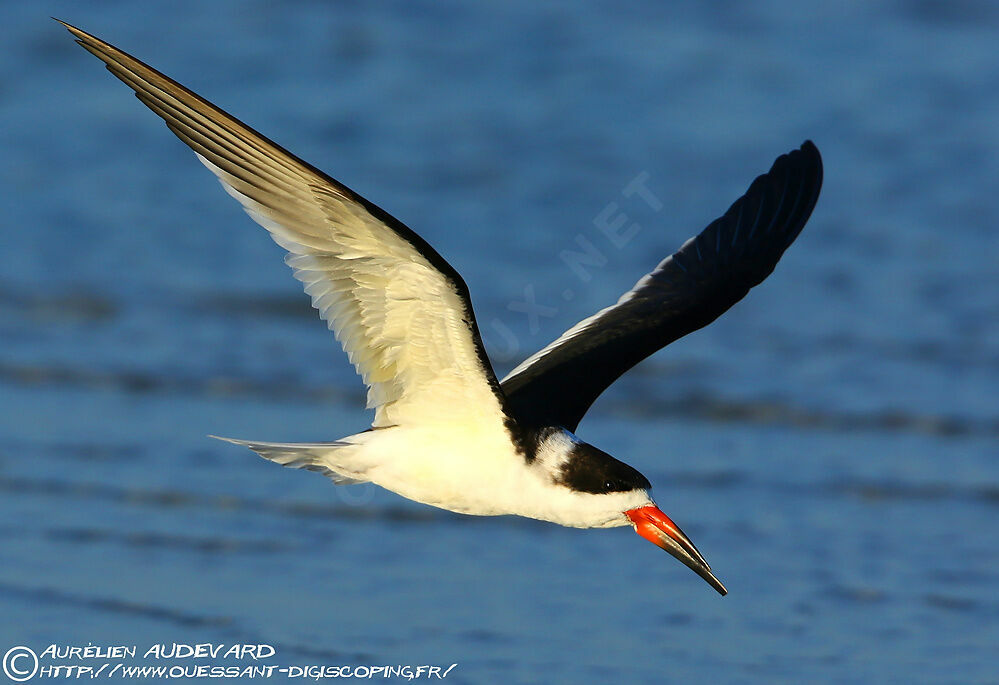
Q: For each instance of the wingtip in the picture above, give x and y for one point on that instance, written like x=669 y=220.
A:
x=69 y=27
x=810 y=149
x=234 y=441
x=805 y=160
x=82 y=37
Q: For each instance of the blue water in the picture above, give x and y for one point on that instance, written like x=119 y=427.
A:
x=831 y=444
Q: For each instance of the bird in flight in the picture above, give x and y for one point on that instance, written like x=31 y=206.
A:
x=446 y=432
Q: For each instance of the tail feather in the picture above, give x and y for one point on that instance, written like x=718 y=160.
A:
x=311 y=456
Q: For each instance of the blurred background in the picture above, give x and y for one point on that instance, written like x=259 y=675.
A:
x=830 y=444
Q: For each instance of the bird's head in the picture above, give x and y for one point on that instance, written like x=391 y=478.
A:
x=606 y=492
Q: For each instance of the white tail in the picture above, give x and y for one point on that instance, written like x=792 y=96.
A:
x=312 y=456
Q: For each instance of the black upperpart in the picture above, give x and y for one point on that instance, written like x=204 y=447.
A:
x=594 y=471
x=526 y=438
x=587 y=469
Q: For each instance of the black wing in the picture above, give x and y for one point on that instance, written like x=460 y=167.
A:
x=687 y=291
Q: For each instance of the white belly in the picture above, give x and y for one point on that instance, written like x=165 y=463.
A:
x=436 y=466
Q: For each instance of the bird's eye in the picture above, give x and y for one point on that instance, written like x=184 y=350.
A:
x=609 y=485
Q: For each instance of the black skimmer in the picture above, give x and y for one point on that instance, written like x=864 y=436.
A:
x=446 y=432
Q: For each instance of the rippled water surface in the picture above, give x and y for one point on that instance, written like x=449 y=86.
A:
x=830 y=444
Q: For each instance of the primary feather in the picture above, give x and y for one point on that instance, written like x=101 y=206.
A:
x=400 y=311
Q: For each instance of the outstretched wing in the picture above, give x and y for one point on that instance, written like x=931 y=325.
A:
x=400 y=311
x=687 y=291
